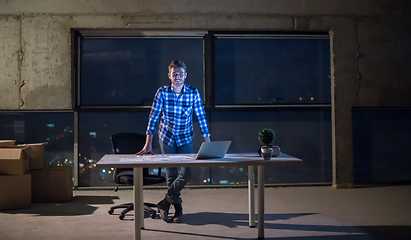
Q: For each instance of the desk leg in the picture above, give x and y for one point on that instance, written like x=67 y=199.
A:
x=251 y=197
x=261 y=202
x=138 y=202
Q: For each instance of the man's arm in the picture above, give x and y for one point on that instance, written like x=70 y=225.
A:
x=201 y=116
x=156 y=109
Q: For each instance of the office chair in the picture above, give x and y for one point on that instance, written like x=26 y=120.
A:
x=131 y=143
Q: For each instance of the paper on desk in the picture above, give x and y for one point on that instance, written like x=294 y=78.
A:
x=137 y=158
x=153 y=158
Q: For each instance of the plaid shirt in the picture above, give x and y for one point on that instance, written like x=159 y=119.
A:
x=176 y=124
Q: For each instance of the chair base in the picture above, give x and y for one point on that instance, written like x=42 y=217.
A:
x=130 y=207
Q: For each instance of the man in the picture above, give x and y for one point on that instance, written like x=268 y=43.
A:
x=175 y=104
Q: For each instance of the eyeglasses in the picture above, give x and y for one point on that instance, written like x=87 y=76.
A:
x=178 y=74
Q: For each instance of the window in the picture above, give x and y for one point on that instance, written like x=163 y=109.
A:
x=381 y=143
x=128 y=71
x=55 y=128
x=94 y=141
x=302 y=133
x=272 y=70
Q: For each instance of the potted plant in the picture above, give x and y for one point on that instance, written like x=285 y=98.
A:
x=266 y=137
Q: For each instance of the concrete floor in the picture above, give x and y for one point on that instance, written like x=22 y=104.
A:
x=382 y=212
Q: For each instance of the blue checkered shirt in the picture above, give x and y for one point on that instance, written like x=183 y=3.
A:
x=176 y=123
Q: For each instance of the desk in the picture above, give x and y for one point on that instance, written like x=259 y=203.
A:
x=187 y=160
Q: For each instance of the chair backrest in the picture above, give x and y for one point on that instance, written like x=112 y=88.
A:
x=127 y=143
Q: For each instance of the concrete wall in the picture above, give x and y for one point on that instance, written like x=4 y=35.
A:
x=369 y=38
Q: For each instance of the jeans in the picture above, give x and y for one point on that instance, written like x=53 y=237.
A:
x=176 y=178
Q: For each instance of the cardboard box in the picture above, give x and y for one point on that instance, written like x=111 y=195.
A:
x=15 y=191
x=15 y=160
x=7 y=142
x=52 y=185
x=37 y=162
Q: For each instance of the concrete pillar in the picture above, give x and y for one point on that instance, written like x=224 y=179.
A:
x=10 y=61
x=46 y=64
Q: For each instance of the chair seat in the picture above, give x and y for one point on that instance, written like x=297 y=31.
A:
x=147 y=180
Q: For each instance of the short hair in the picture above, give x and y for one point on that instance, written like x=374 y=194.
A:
x=177 y=64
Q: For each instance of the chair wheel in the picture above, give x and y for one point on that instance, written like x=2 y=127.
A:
x=121 y=216
x=111 y=211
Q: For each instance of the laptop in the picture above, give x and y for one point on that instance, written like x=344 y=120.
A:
x=216 y=149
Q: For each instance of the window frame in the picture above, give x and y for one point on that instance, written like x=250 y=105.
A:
x=208 y=71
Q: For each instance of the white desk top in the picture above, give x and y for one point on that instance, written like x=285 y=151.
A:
x=188 y=160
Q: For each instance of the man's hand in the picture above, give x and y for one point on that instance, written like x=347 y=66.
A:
x=147 y=147
x=207 y=139
x=145 y=150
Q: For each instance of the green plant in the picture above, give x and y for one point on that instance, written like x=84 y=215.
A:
x=266 y=136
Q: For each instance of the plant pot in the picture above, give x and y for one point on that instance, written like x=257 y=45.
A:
x=276 y=151
x=266 y=153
